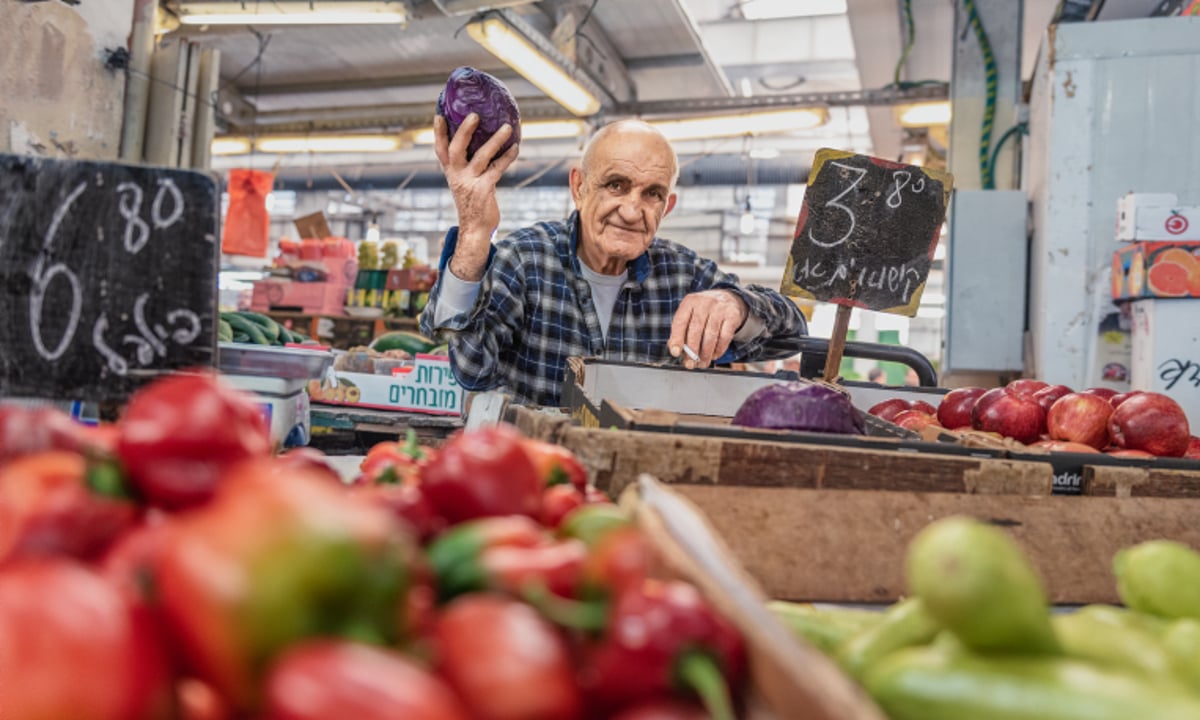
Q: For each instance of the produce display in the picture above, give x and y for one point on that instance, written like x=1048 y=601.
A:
x=473 y=91
x=245 y=326
x=168 y=566
x=1056 y=418
x=976 y=639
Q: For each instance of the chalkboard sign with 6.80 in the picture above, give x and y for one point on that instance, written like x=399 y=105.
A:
x=107 y=276
x=866 y=233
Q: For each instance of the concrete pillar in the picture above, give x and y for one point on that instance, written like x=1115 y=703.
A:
x=60 y=96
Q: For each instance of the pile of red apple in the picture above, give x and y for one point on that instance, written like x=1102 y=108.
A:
x=1054 y=417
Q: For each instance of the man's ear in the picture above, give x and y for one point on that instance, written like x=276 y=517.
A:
x=670 y=203
x=575 y=179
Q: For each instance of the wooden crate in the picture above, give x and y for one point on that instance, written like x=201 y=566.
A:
x=832 y=524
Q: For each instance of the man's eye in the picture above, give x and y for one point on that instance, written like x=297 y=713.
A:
x=615 y=185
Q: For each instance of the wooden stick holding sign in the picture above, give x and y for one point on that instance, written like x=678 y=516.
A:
x=865 y=238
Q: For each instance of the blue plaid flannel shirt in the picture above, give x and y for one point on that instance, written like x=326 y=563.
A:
x=534 y=310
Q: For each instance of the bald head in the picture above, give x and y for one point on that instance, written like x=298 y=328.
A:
x=624 y=130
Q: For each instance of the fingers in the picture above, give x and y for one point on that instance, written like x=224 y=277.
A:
x=484 y=155
x=707 y=325
x=462 y=138
x=441 y=140
x=500 y=164
x=679 y=326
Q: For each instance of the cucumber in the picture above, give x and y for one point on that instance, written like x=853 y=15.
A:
x=1160 y=577
x=932 y=683
x=1109 y=639
x=976 y=582
x=241 y=337
x=246 y=327
x=1181 y=638
x=409 y=342
x=807 y=624
x=905 y=624
x=224 y=331
x=269 y=327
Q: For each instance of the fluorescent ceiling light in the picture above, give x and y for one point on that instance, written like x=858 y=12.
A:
x=532 y=130
x=923 y=114
x=776 y=121
x=292 y=12
x=328 y=143
x=775 y=9
x=501 y=40
x=764 y=153
x=230 y=146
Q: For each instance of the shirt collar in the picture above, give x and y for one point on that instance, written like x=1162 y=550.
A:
x=639 y=269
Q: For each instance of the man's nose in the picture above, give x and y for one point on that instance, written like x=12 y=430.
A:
x=631 y=208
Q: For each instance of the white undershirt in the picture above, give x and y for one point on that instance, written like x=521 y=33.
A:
x=605 y=289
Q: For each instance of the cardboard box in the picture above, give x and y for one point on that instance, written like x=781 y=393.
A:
x=427 y=386
x=1156 y=269
x=1166 y=352
x=419 y=279
x=1156 y=216
x=320 y=298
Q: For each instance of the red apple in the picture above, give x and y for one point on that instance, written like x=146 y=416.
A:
x=1193 y=450
x=1065 y=446
x=954 y=411
x=1026 y=386
x=1080 y=418
x=888 y=409
x=1119 y=398
x=1013 y=415
x=1152 y=422
x=915 y=420
x=1103 y=392
x=1047 y=395
x=1128 y=453
x=924 y=407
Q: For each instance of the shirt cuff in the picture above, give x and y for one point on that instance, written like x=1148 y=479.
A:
x=752 y=329
x=457 y=296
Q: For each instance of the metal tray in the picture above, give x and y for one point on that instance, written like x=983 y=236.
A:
x=273 y=361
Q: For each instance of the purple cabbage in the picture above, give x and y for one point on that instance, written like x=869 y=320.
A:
x=473 y=91
x=800 y=406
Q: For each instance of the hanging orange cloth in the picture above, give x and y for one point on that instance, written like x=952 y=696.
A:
x=247 y=225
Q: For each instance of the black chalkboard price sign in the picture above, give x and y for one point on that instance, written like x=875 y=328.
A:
x=867 y=232
x=107 y=276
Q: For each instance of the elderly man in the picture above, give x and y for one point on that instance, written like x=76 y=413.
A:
x=598 y=283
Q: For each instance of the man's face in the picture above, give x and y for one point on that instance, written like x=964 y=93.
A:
x=622 y=195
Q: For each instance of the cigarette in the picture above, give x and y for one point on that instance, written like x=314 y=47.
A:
x=691 y=353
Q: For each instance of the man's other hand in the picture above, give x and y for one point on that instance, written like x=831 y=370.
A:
x=706 y=321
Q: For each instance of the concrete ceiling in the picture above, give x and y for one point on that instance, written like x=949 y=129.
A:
x=649 y=54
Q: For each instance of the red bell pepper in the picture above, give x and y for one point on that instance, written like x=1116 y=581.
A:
x=178 y=435
x=26 y=430
x=198 y=701
x=311 y=458
x=591 y=522
x=595 y=496
x=406 y=503
x=556 y=465
x=70 y=648
x=325 y=679
x=482 y=473
x=390 y=462
x=662 y=636
x=60 y=503
x=456 y=556
x=274 y=560
x=505 y=661
x=557 y=502
x=663 y=710
x=620 y=559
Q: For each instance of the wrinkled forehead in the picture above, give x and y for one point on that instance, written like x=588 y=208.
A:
x=636 y=150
